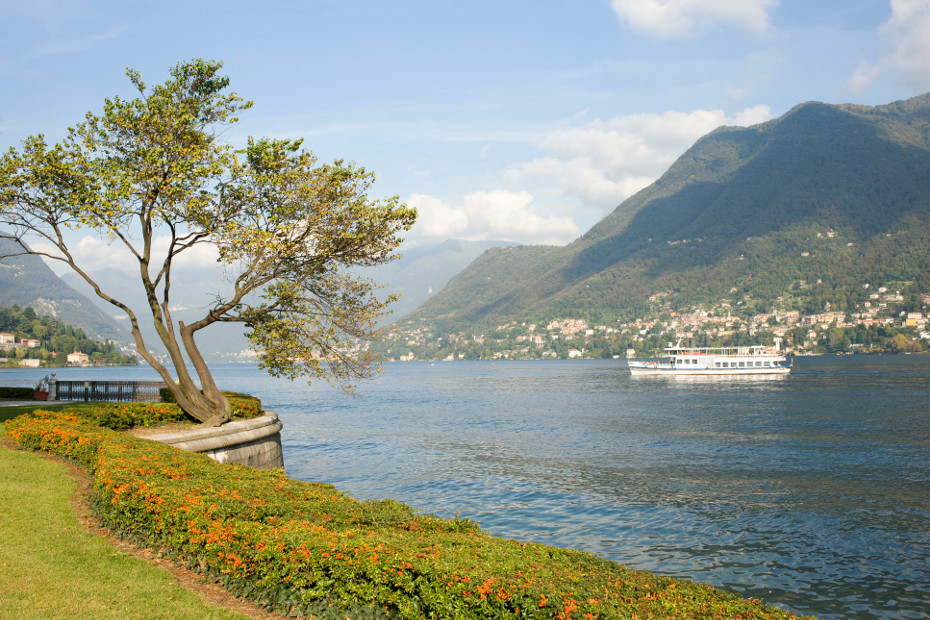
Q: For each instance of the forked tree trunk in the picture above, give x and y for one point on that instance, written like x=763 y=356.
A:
x=208 y=405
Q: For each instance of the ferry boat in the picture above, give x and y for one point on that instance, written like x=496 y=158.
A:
x=749 y=360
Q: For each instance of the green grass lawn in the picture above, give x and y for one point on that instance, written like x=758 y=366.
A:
x=11 y=411
x=295 y=546
x=53 y=567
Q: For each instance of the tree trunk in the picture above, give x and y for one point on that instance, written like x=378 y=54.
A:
x=209 y=406
x=218 y=406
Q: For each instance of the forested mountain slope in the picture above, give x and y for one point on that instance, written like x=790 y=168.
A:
x=27 y=281
x=833 y=193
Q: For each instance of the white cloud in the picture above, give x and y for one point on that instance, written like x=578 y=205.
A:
x=435 y=219
x=497 y=215
x=93 y=253
x=607 y=161
x=674 y=18
x=906 y=37
x=90 y=253
x=752 y=116
x=202 y=255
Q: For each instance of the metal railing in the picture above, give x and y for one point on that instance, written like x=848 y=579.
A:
x=125 y=391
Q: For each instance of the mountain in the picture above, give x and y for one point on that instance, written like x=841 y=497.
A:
x=192 y=291
x=424 y=270
x=837 y=195
x=415 y=276
x=26 y=281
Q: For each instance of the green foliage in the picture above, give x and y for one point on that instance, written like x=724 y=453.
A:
x=54 y=337
x=832 y=193
x=244 y=406
x=123 y=416
x=127 y=415
x=302 y=548
x=26 y=281
x=16 y=392
x=54 y=567
x=285 y=227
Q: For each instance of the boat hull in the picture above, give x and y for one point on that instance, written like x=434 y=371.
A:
x=716 y=372
x=713 y=361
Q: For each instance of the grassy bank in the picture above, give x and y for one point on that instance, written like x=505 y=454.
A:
x=8 y=412
x=306 y=548
x=51 y=566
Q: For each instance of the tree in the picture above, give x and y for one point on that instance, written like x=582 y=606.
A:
x=285 y=228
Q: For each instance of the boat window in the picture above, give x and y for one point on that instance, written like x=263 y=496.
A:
x=716 y=364
x=742 y=364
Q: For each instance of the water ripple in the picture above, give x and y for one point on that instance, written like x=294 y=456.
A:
x=811 y=491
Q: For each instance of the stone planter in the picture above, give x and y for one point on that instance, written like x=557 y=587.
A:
x=256 y=442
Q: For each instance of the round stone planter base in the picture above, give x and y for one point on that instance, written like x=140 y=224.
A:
x=256 y=442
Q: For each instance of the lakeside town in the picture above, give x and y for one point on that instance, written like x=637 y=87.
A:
x=882 y=319
x=30 y=353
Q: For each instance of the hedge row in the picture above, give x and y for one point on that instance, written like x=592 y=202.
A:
x=123 y=416
x=244 y=406
x=17 y=392
x=307 y=549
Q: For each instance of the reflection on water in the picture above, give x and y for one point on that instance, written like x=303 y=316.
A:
x=730 y=381
x=808 y=490
x=811 y=490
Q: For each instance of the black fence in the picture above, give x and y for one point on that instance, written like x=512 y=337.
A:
x=126 y=391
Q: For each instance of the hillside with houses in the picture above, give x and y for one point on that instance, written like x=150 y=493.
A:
x=811 y=231
x=32 y=341
x=882 y=320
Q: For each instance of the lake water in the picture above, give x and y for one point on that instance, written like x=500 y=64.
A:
x=810 y=491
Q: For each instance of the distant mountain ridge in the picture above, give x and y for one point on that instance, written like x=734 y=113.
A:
x=817 y=202
x=424 y=270
x=736 y=215
x=415 y=276
x=26 y=281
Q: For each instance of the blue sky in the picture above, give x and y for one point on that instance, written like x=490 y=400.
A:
x=514 y=120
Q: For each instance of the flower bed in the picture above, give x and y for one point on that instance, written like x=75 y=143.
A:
x=123 y=416
x=306 y=548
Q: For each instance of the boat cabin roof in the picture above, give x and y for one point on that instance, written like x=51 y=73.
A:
x=745 y=350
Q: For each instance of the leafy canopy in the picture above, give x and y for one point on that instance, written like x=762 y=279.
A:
x=285 y=227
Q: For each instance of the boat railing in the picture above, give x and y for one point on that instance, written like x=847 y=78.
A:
x=748 y=351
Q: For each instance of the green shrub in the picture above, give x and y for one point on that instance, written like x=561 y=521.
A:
x=244 y=406
x=17 y=392
x=306 y=548
x=123 y=416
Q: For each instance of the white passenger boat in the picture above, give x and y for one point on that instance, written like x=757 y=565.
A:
x=751 y=360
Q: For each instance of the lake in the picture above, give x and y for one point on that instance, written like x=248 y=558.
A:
x=810 y=491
